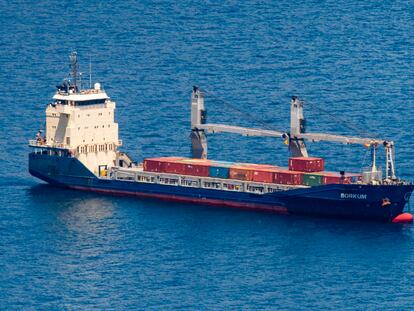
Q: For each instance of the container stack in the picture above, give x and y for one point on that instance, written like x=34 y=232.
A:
x=314 y=174
x=303 y=164
x=286 y=177
x=158 y=165
x=178 y=165
x=302 y=171
x=326 y=178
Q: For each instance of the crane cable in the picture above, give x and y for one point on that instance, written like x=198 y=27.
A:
x=347 y=124
x=247 y=115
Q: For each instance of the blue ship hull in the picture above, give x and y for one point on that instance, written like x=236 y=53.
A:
x=367 y=202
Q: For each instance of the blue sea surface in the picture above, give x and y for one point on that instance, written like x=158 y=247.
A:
x=351 y=61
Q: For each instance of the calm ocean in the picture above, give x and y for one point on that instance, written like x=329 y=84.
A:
x=351 y=61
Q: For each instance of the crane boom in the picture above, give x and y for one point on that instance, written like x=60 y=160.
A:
x=314 y=137
x=338 y=138
x=245 y=131
x=296 y=137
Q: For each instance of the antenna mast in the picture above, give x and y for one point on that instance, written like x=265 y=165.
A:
x=74 y=67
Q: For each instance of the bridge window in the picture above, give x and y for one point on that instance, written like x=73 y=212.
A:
x=90 y=102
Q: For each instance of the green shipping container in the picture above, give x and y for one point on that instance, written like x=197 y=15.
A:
x=312 y=179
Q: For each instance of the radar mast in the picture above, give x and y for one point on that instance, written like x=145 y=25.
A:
x=74 y=69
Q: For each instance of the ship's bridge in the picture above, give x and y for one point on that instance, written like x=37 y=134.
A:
x=93 y=96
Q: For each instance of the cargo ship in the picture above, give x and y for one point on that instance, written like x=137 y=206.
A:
x=80 y=149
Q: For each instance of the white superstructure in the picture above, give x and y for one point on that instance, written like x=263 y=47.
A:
x=84 y=123
x=81 y=122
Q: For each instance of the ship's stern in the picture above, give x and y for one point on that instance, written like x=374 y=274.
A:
x=58 y=168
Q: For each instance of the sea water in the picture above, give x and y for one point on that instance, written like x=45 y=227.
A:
x=350 y=61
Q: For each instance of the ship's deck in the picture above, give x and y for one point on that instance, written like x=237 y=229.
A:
x=137 y=174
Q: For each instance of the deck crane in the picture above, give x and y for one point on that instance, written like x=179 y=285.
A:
x=295 y=138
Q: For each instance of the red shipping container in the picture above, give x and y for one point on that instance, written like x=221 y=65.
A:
x=336 y=178
x=303 y=164
x=241 y=173
x=197 y=169
x=265 y=175
x=153 y=165
x=177 y=167
x=158 y=164
x=286 y=177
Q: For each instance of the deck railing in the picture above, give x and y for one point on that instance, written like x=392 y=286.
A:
x=41 y=143
x=133 y=175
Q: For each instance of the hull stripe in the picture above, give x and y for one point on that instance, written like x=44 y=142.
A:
x=215 y=202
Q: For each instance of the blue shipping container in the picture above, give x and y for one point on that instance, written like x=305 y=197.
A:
x=219 y=171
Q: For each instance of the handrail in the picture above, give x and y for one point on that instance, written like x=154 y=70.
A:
x=41 y=143
x=132 y=176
